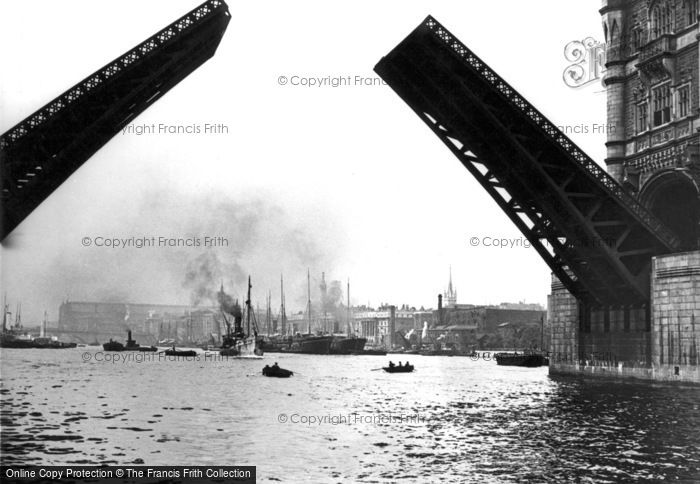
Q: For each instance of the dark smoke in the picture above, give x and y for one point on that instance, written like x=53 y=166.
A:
x=200 y=276
x=228 y=304
x=264 y=240
x=334 y=297
x=204 y=273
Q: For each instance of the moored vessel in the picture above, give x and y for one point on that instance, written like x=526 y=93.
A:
x=347 y=345
x=311 y=344
x=529 y=360
x=372 y=352
x=10 y=339
x=13 y=337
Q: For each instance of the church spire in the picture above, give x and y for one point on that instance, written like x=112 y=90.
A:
x=451 y=293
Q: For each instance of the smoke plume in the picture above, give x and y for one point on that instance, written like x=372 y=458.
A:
x=262 y=239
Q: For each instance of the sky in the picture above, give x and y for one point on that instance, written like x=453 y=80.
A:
x=344 y=180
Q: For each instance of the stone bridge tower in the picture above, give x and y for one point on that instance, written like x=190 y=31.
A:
x=652 y=85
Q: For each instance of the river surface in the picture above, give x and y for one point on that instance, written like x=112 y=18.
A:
x=336 y=420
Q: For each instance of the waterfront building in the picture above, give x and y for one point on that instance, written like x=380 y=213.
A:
x=86 y=322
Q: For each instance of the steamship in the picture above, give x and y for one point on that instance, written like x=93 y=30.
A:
x=239 y=342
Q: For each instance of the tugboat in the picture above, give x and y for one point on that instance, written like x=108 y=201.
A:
x=131 y=345
x=407 y=368
x=113 y=346
x=239 y=342
x=276 y=371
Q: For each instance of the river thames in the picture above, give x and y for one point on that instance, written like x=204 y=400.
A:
x=337 y=420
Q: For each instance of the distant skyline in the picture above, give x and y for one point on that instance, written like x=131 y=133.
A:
x=345 y=180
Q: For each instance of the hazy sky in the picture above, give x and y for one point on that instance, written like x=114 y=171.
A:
x=345 y=180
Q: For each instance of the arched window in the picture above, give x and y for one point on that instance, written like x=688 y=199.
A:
x=637 y=38
x=661 y=98
x=661 y=19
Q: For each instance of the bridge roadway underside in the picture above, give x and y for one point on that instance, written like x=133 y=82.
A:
x=598 y=240
x=42 y=151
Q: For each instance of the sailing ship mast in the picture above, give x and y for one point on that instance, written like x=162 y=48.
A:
x=269 y=312
x=283 y=312
x=308 y=292
x=247 y=305
x=4 y=312
x=349 y=324
x=18 y=316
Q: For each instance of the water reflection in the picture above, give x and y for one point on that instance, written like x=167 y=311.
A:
x=454 y=419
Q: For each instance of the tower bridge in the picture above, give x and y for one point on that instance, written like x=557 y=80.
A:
x=42 y=151
x=619 y=244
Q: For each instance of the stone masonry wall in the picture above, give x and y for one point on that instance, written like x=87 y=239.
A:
x=564 y=324
x=676 y=316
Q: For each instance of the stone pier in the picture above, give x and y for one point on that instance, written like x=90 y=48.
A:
x=659 y=342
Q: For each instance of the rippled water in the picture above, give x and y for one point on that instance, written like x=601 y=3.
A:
x=454 y=419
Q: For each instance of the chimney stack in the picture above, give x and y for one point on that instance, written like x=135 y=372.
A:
x=392 y=327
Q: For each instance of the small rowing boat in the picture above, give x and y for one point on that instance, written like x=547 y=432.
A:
x=276 y=371
x=175 y=352
x=398 y=369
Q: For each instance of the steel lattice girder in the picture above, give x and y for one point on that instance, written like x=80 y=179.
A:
x=595 y=237
x=42 y=151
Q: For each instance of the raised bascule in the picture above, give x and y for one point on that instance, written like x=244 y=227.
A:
x=624 y=282
x=42 y=151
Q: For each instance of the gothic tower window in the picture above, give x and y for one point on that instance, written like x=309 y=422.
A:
x=642 y=117
x=683 y=101
x=662 y=104
x=661 y=19
x=690 y=11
